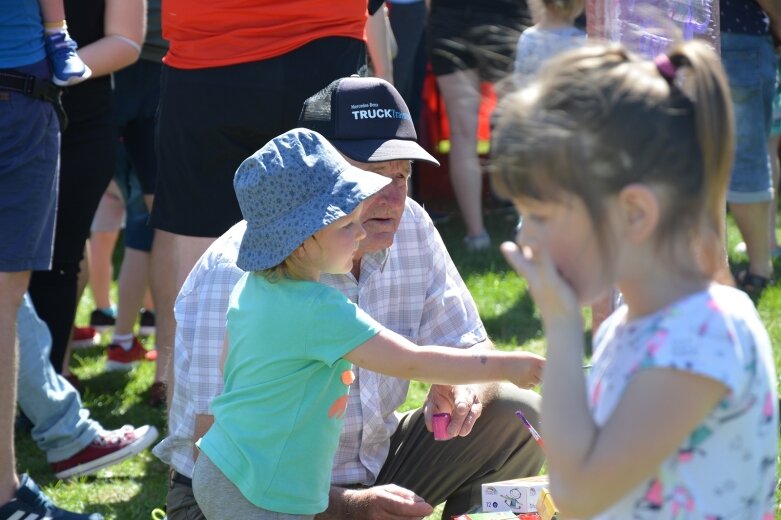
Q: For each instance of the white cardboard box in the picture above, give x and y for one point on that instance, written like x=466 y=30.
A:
x=517 y=495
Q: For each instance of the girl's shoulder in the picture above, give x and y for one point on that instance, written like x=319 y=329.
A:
x=713 y=333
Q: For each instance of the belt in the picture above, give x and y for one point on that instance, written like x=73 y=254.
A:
x=36 y=88
x=181 y=479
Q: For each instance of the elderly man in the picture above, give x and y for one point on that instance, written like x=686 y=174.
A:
x=387 y=465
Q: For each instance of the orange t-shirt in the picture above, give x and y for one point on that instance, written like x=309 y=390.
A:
x=213 y=33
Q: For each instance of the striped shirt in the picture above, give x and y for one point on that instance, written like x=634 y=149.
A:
x=412 y=288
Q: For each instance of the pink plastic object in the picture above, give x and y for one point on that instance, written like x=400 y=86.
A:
x=440 y=422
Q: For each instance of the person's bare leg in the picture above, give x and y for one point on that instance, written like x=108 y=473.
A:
x=148 y=302
x=52 y=10
x=162 y=281
x=775 y=166
x=180 y=253
x=149 y=200
x=12 y=289
x=461 y=92
x=752 y=220
x=132 y=286
x=101 y=249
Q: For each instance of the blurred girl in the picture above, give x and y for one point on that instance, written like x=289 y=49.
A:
x=553 y=33
x=620 y=168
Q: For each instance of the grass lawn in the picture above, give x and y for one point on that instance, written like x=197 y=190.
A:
x=131 y=490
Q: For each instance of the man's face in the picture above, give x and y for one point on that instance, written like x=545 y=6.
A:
x=382 y=212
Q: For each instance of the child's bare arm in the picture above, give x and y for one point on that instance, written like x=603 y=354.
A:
x=52 y=10
x=392 y=354
x=125 y=29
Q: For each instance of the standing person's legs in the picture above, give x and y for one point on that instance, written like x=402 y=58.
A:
x=164 y=290
x=461 y=93
x=106 y=224
x=61 y=427
x=87 y=165
x=751 y=67
x=775 y=250
x=29 y=152
x=133 y=279
x=12 y=288
x=137 y=97
x=498 y=448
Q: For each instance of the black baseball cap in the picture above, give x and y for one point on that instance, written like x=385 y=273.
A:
x=366 y=119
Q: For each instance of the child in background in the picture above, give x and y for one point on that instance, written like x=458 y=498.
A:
x=620 y=168
x=67 y=67
x=290 y=340
x=552 y=34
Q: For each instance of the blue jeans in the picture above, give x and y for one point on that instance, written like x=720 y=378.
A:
x=62 y=427
x=750 y=64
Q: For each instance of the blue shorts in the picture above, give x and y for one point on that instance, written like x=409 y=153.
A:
x=751 y=69
x=775 y=130
x=29 y=174
x=138 y=232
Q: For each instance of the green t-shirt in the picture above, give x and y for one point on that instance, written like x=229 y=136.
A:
x=277 y=423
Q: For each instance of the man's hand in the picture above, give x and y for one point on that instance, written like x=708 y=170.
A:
x=388 y=502
x=461 y=402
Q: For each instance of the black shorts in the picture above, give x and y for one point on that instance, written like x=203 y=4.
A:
x=469 y=38
x=136 y=97
x=210 y=120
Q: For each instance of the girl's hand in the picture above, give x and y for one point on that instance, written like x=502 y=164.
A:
x=551 y=293
x=526 y=371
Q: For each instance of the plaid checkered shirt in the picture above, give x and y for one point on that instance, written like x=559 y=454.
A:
x=412 y=288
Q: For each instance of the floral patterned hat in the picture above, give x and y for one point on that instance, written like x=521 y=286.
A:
x=292 y=187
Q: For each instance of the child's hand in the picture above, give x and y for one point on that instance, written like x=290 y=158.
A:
x=526 y=371
x=552 y=294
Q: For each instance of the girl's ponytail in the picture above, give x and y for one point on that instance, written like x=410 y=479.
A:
x=699 y=74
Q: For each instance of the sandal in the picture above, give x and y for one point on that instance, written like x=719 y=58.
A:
x=750 y=283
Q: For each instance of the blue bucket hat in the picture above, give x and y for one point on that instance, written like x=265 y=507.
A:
x=292 y=187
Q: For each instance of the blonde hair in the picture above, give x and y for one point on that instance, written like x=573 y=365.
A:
x=291 y=267
x=599 y=118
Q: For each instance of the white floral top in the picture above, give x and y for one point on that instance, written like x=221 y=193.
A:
x=726 y=468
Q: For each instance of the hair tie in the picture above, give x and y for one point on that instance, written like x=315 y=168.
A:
x=665 y=67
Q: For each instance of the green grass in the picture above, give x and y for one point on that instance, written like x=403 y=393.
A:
x=131 y=490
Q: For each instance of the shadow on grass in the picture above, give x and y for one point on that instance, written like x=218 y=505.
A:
x=517 y=324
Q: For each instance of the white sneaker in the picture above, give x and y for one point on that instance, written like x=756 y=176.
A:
x=477 y=243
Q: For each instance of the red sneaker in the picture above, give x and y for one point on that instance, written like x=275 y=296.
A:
x=121 y=359
x=84 y=337
x=108 y=448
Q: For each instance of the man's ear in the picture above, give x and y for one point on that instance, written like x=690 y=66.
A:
x=639 y=211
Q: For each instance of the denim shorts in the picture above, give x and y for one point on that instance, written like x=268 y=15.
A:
x=751 y=69
x=29 y=170
x=138 y=233
x=775 y=129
